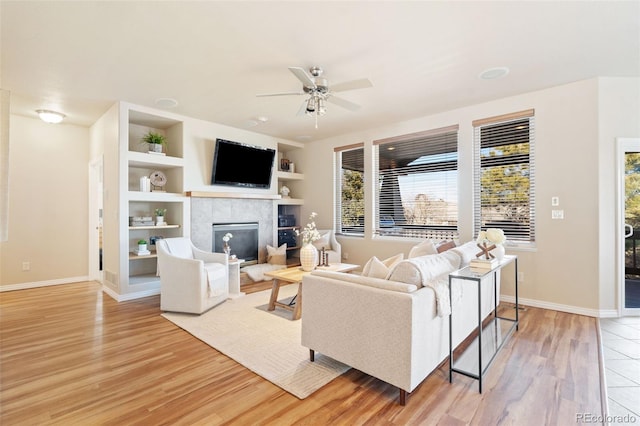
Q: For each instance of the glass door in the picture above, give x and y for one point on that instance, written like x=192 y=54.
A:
x=630 y=288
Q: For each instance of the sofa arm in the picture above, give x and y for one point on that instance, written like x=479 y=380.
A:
x=394 y=336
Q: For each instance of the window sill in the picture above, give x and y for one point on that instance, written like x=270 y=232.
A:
x=521 y=247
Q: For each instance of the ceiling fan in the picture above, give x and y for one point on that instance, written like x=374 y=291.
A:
x=318 y=91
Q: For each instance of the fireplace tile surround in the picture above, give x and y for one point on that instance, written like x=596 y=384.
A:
x=206 y=211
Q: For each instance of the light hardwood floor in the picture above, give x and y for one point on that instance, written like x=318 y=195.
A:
x=72 y=355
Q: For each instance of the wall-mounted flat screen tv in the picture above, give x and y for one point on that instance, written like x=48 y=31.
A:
x=240 y=164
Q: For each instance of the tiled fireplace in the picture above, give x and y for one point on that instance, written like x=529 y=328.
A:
x=207 y=211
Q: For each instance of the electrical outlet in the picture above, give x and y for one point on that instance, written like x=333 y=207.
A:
x=555 y=201
x=26 y=266
x=520 y=276
x=345 y=256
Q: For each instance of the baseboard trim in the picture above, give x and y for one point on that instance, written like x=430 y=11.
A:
x=46 y=283
x=596 y=313
x=129 y=296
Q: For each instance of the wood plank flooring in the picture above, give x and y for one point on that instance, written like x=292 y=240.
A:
x=70 y=354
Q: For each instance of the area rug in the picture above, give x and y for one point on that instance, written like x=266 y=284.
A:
x=267 y=343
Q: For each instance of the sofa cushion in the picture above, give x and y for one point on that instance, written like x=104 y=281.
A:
x=423 y=269
x=423 y=249
x=368 y=281
x=377 y=268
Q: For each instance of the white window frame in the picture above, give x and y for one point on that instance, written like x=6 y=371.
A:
x=516 y=235
x=340 y=228
x=440 y=142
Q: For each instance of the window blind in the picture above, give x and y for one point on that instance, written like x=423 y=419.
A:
x=349 y=187
x=504 y=175
x=417 y=186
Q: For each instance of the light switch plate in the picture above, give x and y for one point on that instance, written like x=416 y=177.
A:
x=555 y=201
x=557 y=214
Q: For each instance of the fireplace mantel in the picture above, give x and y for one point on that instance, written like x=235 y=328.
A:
x=242 y=195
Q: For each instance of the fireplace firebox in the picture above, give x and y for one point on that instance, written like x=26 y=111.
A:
x=244 y=243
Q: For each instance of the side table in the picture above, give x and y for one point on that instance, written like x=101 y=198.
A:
x=477 y=357
x=234 y=278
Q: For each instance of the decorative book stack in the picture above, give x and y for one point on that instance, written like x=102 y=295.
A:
x=141 y=221
x=483 y=265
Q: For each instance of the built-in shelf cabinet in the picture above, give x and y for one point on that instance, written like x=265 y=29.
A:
x=289 y=206
x=127 y=275
x=141 y=270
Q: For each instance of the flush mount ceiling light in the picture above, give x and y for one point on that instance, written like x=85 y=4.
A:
x=49 y=116
x=494 y=73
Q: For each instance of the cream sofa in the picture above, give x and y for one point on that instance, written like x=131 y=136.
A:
x=395 y=329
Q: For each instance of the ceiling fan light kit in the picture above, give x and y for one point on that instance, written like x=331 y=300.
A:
x=318 y=91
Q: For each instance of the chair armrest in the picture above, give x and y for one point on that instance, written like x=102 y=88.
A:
x=209 y=257
x=185 y=270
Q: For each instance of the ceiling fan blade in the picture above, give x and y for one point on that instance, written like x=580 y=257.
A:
x=362 y=83
x=279 y=94
x=343 y=103
x=302 y=75
x=303 y=108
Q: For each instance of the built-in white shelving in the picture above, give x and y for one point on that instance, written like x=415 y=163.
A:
x=289 y=206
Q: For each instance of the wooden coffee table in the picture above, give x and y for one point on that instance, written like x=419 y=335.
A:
x=292 y=276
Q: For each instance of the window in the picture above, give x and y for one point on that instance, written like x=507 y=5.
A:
x=504 y=187
x=417 y=187
x=349 y=214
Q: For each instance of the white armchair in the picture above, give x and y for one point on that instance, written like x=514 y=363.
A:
x=191 y=280
x=330 y=244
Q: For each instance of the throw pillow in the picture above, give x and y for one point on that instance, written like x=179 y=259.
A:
x=277 y=256
x=323 y=242
x=446 y=246
x=376 y=268
x=422 y=249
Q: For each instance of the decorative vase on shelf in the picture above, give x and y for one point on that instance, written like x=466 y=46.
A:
x=227 y=248
x=160 y=221
x=308 y=257
x=498 y=252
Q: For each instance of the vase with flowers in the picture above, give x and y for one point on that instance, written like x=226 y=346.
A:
x=491 y=243
x=225 y=243
x=308 y=253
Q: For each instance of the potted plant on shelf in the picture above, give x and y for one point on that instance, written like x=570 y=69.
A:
x=142 y=246
x=155 y=141
x=160 y=216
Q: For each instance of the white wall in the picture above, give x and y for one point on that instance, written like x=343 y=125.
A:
x=199 y=143
x=48 y=210
x=619 y=117
x=564 y=271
